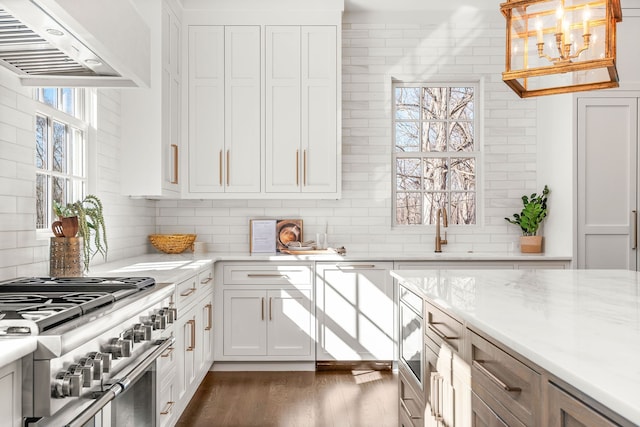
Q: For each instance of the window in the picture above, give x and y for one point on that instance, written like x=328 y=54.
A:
x=60 y=150
x=436 y=152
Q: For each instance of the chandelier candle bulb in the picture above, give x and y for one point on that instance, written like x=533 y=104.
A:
x=539 y=32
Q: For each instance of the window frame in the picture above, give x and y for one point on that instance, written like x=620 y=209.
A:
x=79 y=120
x=476 y=154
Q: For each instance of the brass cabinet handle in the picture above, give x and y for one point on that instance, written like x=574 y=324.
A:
x=220 y=163
x=168 y=352
x=262 y=308
x=168 y=408
x=189 y=292
x=635 y=229
x=479 y=364
x=304 y=166
x=228 y=167
x=406 y=409
x=363 y=266
x=174 y=149
x=205 y=281
x=209 y=308
x=270 y=309
x=439 y=333
x=272 y=275
x=297 y=168
x=192 y=347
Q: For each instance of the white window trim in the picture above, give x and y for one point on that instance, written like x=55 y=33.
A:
x=87 y=125
x=479 y=84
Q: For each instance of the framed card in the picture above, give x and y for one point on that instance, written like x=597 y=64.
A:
x=262 y=235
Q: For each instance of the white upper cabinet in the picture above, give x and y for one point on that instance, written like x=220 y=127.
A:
x=224 y=110
x=301 y=110
x=151 y=117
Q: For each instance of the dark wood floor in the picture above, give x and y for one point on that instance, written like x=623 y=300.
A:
x=300 y=399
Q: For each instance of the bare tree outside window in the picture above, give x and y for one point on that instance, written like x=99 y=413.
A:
x=60 y=150
x=435 y=153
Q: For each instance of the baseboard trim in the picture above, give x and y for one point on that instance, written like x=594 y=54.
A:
x=263 y=366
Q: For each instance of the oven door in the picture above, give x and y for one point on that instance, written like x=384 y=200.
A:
x=129 y=401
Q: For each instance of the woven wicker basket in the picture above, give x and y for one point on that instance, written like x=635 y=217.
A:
x=172 y=243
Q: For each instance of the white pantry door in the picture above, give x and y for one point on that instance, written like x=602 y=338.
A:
x=607 y=182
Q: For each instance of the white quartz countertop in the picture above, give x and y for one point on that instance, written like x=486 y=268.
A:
x=14 y=348
x=583 y=326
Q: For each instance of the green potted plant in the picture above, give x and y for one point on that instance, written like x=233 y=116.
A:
x=90 y=220
x=529 y=219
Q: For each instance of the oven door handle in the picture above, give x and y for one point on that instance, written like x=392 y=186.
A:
x=122 y=384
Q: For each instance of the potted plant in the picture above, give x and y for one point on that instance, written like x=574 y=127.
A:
x=529 y=220
x=89 y=220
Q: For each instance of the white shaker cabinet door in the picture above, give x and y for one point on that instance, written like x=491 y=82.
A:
x=206 y=109
x=283 y=109
x=224 y=109
x=319 y=109
x=301 y=109
x=245 y=323
x=242 y=157
x=607 y=182
x=290 y=328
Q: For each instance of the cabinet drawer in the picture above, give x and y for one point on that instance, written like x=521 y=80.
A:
x=442 y=328
x=482 y=415
x=186 y=293
x=267 y=274
x=411 y=408
x=509 y=387
x=567 y=411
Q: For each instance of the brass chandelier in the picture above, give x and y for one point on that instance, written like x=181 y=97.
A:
x=560 y=46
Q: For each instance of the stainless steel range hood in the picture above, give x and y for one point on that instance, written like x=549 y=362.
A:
x=70 y=43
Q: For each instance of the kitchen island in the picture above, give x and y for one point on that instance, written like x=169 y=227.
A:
x=580 y=328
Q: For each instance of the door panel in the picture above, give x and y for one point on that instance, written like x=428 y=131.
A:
x=244 y=323
x=290 y=328
x=607 y=182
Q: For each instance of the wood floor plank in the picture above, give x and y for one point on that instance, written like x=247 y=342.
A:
x=295 y=399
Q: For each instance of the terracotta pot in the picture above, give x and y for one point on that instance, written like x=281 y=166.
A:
x=69 y=226
x=531 y=244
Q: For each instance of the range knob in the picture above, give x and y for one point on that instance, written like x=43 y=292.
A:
x=101 y=363
x=141 y=332
x=159 y=319
x=66 y=384
x=119 y=347
x=172 y=314
x=84 y=370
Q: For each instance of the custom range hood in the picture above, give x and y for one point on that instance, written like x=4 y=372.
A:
x=72 y=43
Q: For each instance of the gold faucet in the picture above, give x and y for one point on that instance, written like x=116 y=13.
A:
x=441 y=212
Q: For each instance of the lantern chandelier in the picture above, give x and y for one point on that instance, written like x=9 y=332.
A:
x=560 y=46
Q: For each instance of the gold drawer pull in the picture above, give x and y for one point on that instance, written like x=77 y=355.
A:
x=362 y=266
x=209 y=308
x=271 y=275
x=188 y=292
x=168 y=352
x=168 y=408
x=479 y=364
x=174 y=151
x=439 y=333
x=205 y=281
x=220 y=163
x=297 y=168
x=193 y=335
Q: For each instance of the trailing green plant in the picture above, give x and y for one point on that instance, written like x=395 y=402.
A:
x=90 y=221
x=532 y=214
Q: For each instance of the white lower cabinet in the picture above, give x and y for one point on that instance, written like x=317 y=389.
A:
x=276 y=323
x=11 y=394
x=355 y=311
x=194 y=341
x=264 y=312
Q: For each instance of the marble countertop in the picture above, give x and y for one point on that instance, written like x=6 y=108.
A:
x=582 y=326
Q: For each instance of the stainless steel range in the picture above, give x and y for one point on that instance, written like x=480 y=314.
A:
x=97 y=338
